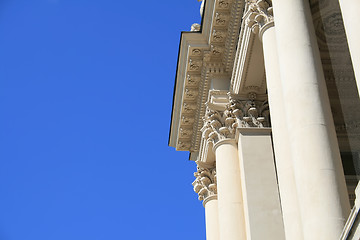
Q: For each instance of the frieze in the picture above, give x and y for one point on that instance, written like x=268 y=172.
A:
x=189 y=107
x=216 y=50
x=191 y=93
x=196 y=52
x=185 y=133
x=218 y=35
x=187 y=120
x=183 y=145
x=224 y=4
x=201 y=59
x=194 y=65
x=193 y=80
x=221 y=19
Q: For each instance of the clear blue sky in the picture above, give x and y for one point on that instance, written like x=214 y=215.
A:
x=85 y=101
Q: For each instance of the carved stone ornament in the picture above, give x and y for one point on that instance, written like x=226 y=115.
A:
x=183 y=145
x=193 y=80
x=194 y=65
x=221 y=19
x=218 y=35
x=218 y=126
x=189 y=107
x=195 y=27
x=205 y=182
x=191 y=93
x=259 y=14
x=202 y=7
x=186 y=120
x=249 y=113
x=224 y=4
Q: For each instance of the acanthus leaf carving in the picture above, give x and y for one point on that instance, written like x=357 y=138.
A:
x=218 y=126
x=205 y=182
x=250 y=113
x=259 y=14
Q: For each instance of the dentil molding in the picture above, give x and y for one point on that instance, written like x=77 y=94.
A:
x=206 y=52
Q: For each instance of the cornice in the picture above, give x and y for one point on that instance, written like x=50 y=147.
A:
x=202 y=55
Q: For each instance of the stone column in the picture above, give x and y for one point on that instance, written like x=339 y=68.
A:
x=350 y=12
x=205 y=186
x=263 y=216
x=219 y=129
x=259 y=17
x=319 y=176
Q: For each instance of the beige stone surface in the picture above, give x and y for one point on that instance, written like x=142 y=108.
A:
x=231 y=208
x=259 y=185
x=284 y=167
x=319 y=176
x=265 y=100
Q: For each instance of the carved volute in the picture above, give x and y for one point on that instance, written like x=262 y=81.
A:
x=205 y=182
x=259 y=15
x=249 y=113
x=238 y=113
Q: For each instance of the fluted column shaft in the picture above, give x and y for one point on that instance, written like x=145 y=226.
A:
x=319 y=176
x=350 y=12
x=231 y=212
x=284 y=167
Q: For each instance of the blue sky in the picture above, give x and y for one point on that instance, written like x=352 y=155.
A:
x=85 y=100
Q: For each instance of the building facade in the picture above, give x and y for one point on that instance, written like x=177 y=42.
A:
x=266 y=102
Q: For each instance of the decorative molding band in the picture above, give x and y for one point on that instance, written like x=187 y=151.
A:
x=208 y=199
x=220 y=31
x=205 y=182
x=224 y=141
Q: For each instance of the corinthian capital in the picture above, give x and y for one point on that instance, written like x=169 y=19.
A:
x=205 y=182
x=244 y=112
x=259 y=15
x=249 y=113
x=218 y=125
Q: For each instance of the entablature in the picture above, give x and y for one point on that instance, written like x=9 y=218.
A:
x=203 y=56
